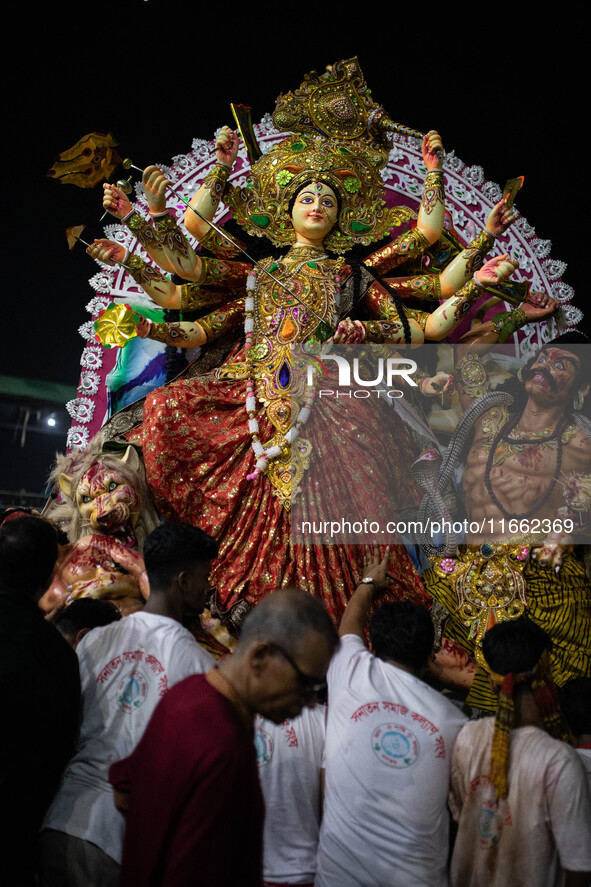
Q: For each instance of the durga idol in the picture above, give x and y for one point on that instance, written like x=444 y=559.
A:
x=228 y=449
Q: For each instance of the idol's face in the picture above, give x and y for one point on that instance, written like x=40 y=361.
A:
x=314 y=212
x=553 y=375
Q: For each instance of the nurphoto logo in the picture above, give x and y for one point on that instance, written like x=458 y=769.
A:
x=384 y=373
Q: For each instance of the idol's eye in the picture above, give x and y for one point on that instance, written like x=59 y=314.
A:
x=306 y=199
x=86 y=499
x=112 y=486
x=541 y=359
x=326 y=201
x=559 y=365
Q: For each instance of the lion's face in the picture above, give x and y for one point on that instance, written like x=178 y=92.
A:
x=106 y=501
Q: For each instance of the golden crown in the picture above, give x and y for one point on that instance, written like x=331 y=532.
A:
x=262 y=206
x=341 y=139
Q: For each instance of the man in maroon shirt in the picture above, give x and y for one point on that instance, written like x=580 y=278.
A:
x=191 y=791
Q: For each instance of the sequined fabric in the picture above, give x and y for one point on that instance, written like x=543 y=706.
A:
x=197 y=446
x=197 y=454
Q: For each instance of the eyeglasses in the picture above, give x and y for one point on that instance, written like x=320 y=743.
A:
x=308 y=684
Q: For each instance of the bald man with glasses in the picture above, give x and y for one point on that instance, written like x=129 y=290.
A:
x=190 y=790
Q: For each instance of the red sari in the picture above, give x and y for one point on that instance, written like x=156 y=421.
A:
x=197 y=450
x=197 y=453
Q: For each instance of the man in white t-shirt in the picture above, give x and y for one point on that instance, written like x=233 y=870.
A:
x=520 y=796
x=125 y=670
x=388 y=749
x=289 y=757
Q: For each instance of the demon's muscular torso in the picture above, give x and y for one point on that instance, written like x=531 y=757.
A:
x=526 y=487
x=521 y=475
x=520 y=465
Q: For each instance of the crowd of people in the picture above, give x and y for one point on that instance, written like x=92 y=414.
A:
x=306 y=756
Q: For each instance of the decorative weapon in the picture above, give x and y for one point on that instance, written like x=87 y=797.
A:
x=512 y=186
x=86 y=163
x=127 y=164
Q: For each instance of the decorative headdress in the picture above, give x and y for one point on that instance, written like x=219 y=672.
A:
x=338 y=105
x=341 y=139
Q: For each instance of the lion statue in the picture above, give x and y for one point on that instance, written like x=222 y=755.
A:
x=105 y=507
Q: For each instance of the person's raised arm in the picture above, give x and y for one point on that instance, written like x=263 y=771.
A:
x=118 y=205
x=179 y=255
x=374 y=578
x=411 y=244
x=207 y=198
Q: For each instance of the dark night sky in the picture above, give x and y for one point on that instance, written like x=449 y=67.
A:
x=158 y=73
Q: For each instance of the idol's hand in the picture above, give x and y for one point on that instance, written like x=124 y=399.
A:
x=500 y=218
x=226 y=146
x=155 y=184
x=143 y=328
x=349 y=332
x=106 y=251
x=577 y=492
x=432 y=149
x=115 y=201
x=541 y=300
x=496 y=270
x=537 y=306
x=550 y=554
x=440 y=384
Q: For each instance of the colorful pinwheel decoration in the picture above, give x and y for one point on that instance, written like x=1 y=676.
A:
x=116 y=325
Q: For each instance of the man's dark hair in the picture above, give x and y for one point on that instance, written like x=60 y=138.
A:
x=86 y=613
x=173 y=547
x=575 y=702
x=12 y=512
x=28 y=552
x=514 y=646
x=285 y=616
x=402 y=631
